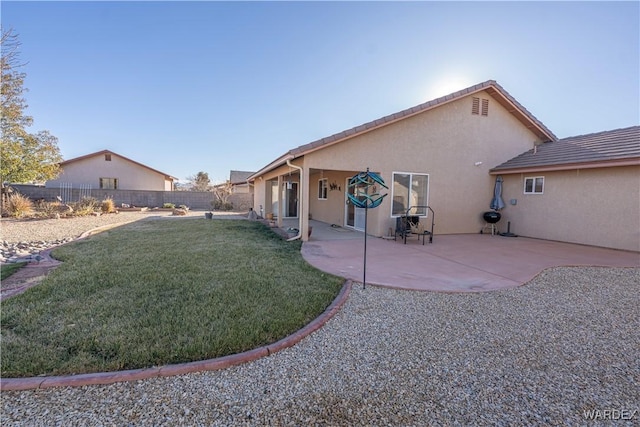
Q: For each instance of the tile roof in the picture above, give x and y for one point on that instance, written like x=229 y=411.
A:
x=490 y=86
x=609 y=148
x=239 y=177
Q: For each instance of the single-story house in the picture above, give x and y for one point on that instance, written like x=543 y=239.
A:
x=110 y=171
x=583 y=189
x=445 y=154
x=239 y=182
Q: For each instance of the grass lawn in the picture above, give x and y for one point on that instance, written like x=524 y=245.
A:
x=7 y=270
x=158 y=292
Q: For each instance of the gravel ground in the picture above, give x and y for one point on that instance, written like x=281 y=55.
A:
x=57 y=229
x=540 y=354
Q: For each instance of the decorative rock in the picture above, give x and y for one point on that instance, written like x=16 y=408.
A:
x=17 y=252
x=395 y=357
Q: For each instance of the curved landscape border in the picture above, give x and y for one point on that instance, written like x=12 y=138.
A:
x=102 y=378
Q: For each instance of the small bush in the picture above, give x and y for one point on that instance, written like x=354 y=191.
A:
x=184 y=207
x=169 y=206
x=86 y=206
x=108 y=206
x=19 y=206
x=47 y=209
x=89 y=203
x=221 y=206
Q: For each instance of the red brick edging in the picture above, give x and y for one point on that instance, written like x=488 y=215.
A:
x=182 y=368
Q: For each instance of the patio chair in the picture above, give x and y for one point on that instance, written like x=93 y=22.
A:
x=407 y=225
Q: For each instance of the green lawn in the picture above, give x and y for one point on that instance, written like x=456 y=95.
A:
x=7 y=270
x=158 y=292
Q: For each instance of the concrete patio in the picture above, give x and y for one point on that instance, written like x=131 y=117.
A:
x=453 y=263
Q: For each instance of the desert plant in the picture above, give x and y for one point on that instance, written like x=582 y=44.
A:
x=86 y=206
x=222 y=194
x=169 y=206
x=47 y=209
x=221 y=206
x=108 y=206
x=88 y=202
x=19 y=206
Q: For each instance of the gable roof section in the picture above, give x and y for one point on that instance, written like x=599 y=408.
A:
x=620 y=147
x=239 y=177
x=490 y=86
x=100 y=153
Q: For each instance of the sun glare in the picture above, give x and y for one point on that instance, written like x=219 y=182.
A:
x=446 y=85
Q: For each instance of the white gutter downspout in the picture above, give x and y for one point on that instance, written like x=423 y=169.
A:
x=300 y=200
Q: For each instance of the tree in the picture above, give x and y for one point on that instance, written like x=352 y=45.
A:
x=223 y=193
x=24 y=156
x=200 y=182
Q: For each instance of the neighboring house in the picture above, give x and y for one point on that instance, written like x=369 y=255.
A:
x=239 y=182
x=441 y=154
x=584 y=189
x=110 y=171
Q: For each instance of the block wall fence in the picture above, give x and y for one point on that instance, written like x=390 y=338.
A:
x=139 y=198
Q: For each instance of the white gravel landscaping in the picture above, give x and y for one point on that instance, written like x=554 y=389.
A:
x=553 y=352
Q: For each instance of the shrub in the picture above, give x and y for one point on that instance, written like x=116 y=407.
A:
x=169 y=206
x=221 y=206
x=88 y=203
x=47 y=209
x=19 y=206
x=86 y=206
x=184 y=207
x=108 y=206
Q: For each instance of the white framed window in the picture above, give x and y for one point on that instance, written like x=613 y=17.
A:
x=322 y=188
x=108 y=183
x=534 y=185
x=409 y=189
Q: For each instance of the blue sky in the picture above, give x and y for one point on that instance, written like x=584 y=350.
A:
x=185 y=87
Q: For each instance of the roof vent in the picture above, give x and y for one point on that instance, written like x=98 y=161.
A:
x=475 y=106
x=485 y=107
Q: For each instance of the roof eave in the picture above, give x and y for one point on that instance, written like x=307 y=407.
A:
x=271 y=166
x=491 y=87
x=568 y=166
x=97 y=153
x=520 y=112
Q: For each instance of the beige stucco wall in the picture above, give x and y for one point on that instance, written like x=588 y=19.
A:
x=331 y=210
x=598 y=207
x=130 y=175
x=241 y=189
x=444 y=143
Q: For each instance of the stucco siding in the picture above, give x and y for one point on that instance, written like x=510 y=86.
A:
x=599 y=207
x=331 y=210
x=444 y=143
x=130 y=176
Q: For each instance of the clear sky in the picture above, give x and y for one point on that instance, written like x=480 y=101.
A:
x=185 y=87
